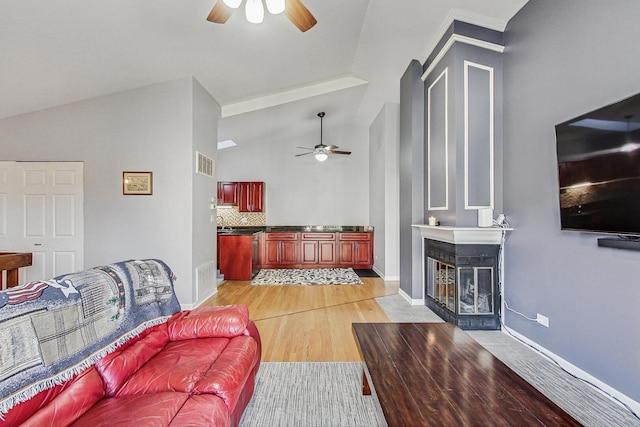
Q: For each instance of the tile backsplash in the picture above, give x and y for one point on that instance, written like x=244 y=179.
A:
x=231 y=217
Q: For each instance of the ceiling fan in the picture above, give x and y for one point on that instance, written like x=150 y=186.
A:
x=321 y=151
x=297 y=13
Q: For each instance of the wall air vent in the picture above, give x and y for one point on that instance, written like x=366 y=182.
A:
x=205 y=165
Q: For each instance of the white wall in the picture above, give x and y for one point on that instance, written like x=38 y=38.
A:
x=301 y=190
x=384 y=137
x=145 y=129
x=205 y=140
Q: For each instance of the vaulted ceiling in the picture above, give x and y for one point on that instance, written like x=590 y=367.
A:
x=270 y=78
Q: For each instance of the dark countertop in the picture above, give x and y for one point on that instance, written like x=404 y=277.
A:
x=243 y=231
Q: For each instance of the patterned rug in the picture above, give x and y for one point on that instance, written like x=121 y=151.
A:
x=306 y=276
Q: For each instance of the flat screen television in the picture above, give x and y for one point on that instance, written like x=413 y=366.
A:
x=599 y=169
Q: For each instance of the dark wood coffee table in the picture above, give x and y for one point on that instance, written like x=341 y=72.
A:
x=435 y=374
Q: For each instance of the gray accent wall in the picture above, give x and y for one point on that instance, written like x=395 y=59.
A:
x=463 y=119
x=565 y=58
x=411 y=172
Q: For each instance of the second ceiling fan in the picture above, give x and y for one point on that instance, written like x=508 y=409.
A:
x=321 y=151
x=297 y=13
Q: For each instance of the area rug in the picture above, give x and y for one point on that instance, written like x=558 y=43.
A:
x=306 y=276
x=319 y=394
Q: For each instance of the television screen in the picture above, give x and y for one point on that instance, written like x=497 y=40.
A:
x=599 y=169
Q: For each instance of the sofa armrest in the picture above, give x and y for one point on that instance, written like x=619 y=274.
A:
x=226 y=321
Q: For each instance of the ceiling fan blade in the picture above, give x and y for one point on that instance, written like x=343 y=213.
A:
x=303 y=154
x=220 y=13
x=306 y=148
x=299 y=15
x=340 y=152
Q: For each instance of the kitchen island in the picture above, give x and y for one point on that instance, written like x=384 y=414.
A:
x=244 y=250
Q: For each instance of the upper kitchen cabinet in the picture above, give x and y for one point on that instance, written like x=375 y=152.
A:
x=227 y=193
x=250 y=196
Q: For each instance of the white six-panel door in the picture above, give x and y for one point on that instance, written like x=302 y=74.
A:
x=41 y=211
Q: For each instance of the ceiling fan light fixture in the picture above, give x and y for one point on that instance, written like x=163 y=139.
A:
x=321 y=157
x=275 y=7
x=254 y=11
x=233 y=4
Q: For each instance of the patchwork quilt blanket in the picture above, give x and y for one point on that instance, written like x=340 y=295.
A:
x=54 y=329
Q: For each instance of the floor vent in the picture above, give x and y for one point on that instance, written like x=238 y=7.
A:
x=204 y=165
x=206 y=278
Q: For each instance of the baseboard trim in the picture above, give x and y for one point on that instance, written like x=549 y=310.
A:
x=385 y=278
x=199 y=303
x=605 y=389
x=410 y=300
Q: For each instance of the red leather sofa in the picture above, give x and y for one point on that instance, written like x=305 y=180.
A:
x=196 y=369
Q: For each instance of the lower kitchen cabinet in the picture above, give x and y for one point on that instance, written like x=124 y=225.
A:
x=318 y=250
x=280 y=250
x=239 y=256
x=356 y=250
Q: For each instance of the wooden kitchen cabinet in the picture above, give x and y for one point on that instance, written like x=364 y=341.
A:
x=355 y=250
x=238 y=256
x=227 y=193
x=318 y=250
x=235 y=257
x=250 y=196
x=280 y=250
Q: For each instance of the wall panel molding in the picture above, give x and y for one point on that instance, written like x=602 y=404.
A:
x=438 y=143
x=479 y=136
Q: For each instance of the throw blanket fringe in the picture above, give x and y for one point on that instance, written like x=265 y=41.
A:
x=64 y=376
x=68 y=323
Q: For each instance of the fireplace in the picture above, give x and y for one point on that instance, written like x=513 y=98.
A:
x=461 y=283
x=461 y=273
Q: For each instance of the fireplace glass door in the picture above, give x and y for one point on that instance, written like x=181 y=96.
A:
x=441 y=286
x=475 y=287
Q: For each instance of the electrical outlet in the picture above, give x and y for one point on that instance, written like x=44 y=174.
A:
x=543 y=320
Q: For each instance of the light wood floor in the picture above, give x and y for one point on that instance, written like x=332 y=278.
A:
x=308 y=323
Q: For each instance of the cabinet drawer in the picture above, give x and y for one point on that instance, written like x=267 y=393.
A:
x=318 y=236
x=281 y=236
x=355 y=236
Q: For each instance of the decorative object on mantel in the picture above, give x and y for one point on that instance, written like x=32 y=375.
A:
x=485 y=217
x=137 y=183
x=306 y=276
x=432 y=220
x=297 y=13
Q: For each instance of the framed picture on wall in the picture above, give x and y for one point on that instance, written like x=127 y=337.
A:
x=137 y=183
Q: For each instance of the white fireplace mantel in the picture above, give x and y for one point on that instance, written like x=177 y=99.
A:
x=462 y=235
